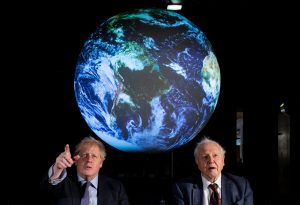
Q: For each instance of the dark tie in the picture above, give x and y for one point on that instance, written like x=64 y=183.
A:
x=86 y=196
x=214 y=197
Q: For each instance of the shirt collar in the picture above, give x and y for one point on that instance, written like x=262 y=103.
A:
x=206 y=183
x=94 y=181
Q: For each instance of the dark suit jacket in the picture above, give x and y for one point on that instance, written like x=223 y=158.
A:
x=235 y=191
x=110 y=192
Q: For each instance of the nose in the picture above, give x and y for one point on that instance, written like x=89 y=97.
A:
x=210 y=159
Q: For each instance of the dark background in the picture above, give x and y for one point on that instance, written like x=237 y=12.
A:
x=256 y=45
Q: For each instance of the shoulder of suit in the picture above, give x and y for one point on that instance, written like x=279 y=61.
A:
x=108 y=179
x=233 y=177
x=189 y=180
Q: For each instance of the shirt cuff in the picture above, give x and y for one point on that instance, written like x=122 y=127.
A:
x=59 y=179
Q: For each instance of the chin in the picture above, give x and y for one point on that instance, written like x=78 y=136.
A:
x=213 y=175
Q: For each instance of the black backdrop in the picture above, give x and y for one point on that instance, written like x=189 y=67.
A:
x=256 y=47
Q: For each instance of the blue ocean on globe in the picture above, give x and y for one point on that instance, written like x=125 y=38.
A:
x=147 y=80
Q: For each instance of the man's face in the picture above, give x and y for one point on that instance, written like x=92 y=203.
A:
x=210 y=161
x=90 y=162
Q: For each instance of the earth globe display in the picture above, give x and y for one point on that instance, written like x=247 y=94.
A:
x=147 y=81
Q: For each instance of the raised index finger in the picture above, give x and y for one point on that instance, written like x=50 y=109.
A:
x=67 y=149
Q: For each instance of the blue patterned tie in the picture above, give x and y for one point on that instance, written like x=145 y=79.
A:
x=85 y=200
x=214 y=197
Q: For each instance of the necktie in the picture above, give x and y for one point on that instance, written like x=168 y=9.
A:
x=85 y=200
x=214 y=197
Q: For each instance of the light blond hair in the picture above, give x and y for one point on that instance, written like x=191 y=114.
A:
x=90 y=141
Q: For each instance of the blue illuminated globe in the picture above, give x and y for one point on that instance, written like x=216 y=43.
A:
x=147 y=81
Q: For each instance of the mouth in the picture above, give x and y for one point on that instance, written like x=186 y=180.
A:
x=212 y=168
x=88 y=167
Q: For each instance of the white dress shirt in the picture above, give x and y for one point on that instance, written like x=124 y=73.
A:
x=207 y=191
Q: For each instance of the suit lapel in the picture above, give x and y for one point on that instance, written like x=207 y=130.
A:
x=226 y=190
x=197 y=191
x=104 y=192
x=75 y=187
x=101 y=191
